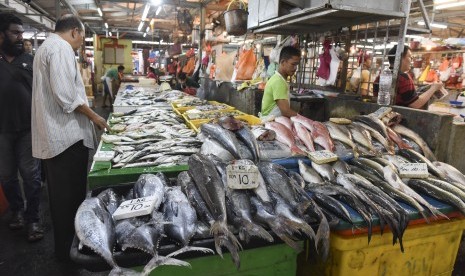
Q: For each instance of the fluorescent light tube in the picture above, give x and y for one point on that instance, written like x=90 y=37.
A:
x=146 y=11
x=141 y=24
x=145 y=34
x=106 y=25
x=450 y=5
x=158 y=10
x=100 y=11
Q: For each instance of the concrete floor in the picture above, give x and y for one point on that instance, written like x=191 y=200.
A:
x=18 y=257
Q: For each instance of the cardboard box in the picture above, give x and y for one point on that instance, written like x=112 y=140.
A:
x=89 y=91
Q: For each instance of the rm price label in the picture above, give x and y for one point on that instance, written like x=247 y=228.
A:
x=419 y=170
x=322 y=156
x=242 y=176
x=135 y=207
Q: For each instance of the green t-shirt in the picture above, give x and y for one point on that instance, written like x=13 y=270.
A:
x=276 y=89
x=112 y=73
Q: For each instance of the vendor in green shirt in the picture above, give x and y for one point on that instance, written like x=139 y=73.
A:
x=275 y=100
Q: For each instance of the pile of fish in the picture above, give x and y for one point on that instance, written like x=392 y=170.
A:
x=150 y=136
x=143 y=96
x=195 y=114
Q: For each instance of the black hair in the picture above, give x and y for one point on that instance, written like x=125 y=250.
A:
x=28 y=40
x=392 y=54
x=68 y=22
x=121 y=67
x=6 y=19
x=151 y=69
x=182 y=76
x=288 y=52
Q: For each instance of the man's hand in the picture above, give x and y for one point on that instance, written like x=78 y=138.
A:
x=437 y=86
x=100 y=122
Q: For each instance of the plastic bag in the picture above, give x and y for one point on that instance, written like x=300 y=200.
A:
x=271 y=69
x=224 y=66
x=432 y=76
x=246 y=64
x=189 y=67
x=424 y=74
x=356 y=77
x=175 y=49
x=444 y=75
x=275 y=53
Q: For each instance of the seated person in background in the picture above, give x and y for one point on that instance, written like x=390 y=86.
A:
x=186 y=84
x=151 y=74
x=405 y=94
x=275 y=100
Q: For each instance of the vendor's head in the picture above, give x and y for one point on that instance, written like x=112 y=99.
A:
x=11 y=34
x=406 y=58
x=365 y=59
x=289 y=59
x=182 y=77
x=121 y=68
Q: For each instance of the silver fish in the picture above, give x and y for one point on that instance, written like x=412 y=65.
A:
x=309 y=174
x=404 y=131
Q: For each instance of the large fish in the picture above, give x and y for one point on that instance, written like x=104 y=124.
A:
x=224 y=137
x=285 y=136
x=342 y=133
x=211 y=146
x=374 y=123
x=325 y=170
x=150 y=185
x=230 y=123
x=309 y=174
x=387 y=144
x=318 y=131
x=450 y=172
x=263 y=134
x=362 y=136
x=393 y=179
x=247 y=137
x=110 y=199
x=404 y=131
x=181 y=220
x=397 y=139
x=210 y=186
x=285 y=121
x=95 y=229
x=414 y=156
x=304 y=135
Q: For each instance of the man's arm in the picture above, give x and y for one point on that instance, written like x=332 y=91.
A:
x=94 y=117
x=285 y=108
x=424 y=97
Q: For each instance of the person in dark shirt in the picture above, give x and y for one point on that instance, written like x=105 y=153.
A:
x=15 y=129
x=405 y=93
x=186 y=84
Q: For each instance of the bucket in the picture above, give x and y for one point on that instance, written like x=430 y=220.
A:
x=236 y=21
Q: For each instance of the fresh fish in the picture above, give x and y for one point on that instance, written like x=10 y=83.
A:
x=397 y=139
x=210 y=146
x=341 y=167
x=297 y=178
x=459 y=191
x=404 y=131
x=285 y=136
x=396 y=160
x=304 y=135
x=450 y=172
x=210 y=186
x=309 y=174
x=263 y=134
x=342 y=133
x=373 y=122
x=393 y=179
x=325 y=170
x=384 y=140
x=385 y=162
x=333 y=206
x=318 y=131
x=181 y=220
x=230 y=123
x=362 y=136
x=285 y=121
x=438 y=193
x=150 y=185
x=246 y=136
x=110 y=199
x=414 y=156
x=372 y=168
x=225 y=137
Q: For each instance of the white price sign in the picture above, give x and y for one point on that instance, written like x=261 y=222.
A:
x=135 y=207
x=104 y=155
x=413 y=170
x=322 y=156
x=242 y=176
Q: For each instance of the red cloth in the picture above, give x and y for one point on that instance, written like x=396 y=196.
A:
x=190 y=90
x=405 y=89
x=151 y=75
x=325 y=61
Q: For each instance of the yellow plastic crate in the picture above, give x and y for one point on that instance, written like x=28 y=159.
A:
x=181 y=109
x=250 y=119
x=212 y=114
x=430 y=249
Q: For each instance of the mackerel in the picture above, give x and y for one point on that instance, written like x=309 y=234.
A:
x=404 y=131
x=418 y=158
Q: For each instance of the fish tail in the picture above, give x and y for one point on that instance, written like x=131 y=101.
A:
x=157 y=261
x=258 y=231
x=190 y=248
x=123 y=271
x=322 y=238
x=218 y=245
x=301 y=227
x=289 y=241
x=219 y=228
x=233 y=249
x=436 y=212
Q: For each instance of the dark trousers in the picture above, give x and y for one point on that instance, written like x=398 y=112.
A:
x=66 y=176
x=16 y=154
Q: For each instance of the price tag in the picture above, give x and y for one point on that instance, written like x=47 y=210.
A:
x=135 y=207
x=322 y=156
x=104 y=155
x=413 y=170
x=242 y=176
